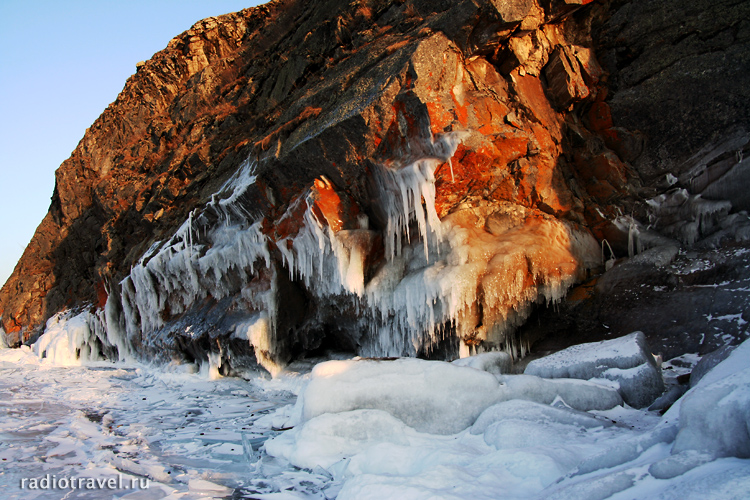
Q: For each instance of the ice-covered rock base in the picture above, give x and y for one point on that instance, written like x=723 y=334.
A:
x=224 y=288
x=626 y=361
x=372 y=428
x=518 y=448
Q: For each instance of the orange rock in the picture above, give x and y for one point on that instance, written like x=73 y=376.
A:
x=101 y=294
x=440 y=118
x=331 y=208
x=531 y=95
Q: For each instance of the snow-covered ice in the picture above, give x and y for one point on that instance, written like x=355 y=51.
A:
x=430 y=396
x=180 y=431
x=493 y=362
x=362 y=429
x=626 y=361
x=724 y=431
x=579 y=394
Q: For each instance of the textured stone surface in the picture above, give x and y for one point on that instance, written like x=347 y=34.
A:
x=680 y=75
x=560 y=106
x=695 y=304
x=323 y=93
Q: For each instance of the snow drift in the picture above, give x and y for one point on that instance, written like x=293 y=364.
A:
x=521 y=448
x=627 y=361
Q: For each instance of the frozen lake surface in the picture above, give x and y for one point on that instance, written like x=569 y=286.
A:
x=161 y=432
x=187 y=434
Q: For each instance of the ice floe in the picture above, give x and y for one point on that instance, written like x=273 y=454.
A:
x=626 y=361
x=366 y=428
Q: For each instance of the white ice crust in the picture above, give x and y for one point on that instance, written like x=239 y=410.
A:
x=430 y=396
x=626 y=360
x=401 y=428
x=497 y=362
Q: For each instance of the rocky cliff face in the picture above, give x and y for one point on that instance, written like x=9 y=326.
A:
x=390 y=178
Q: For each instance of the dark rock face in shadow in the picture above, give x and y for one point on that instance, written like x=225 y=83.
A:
x=679 y=74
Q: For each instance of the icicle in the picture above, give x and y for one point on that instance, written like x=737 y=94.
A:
x=608 y=263
x=632 y=237
x=444 y=279
x=212 y=366
x=198 y=261
x=3 y=337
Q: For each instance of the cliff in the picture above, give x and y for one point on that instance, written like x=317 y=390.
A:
x=388 y=178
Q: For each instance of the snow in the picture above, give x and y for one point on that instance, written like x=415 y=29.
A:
x=626 y=361
x=430 y=396
x=493 y=362
x=362 y=429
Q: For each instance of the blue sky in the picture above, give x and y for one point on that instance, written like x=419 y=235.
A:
x=61 y=64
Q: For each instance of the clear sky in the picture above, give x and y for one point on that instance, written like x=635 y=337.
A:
x=61 y=64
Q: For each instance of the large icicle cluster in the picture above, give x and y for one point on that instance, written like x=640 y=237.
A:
x=75 y=337
x=479 y=284
x=408 y=193
x=328 y=262
x=472 y=277
x=180 y=273
x=216 y=253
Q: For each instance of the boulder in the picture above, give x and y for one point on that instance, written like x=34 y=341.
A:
x=627 y=361
x=429 y=396
x=493 y=362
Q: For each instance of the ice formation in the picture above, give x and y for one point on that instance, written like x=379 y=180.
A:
x=71 y=338
x=181 y=273
x=494 y=362
x=626 y=361
x=327 y=439
x=216 y=253
x=417 y=392
x=577 y=394
x=461 y=284
x=687 y=217
x=709 y=362
x=725 y=430
x=376 y=429
x=526 y=449
x=329 y=262
x=518 y=409
x=474 y=275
